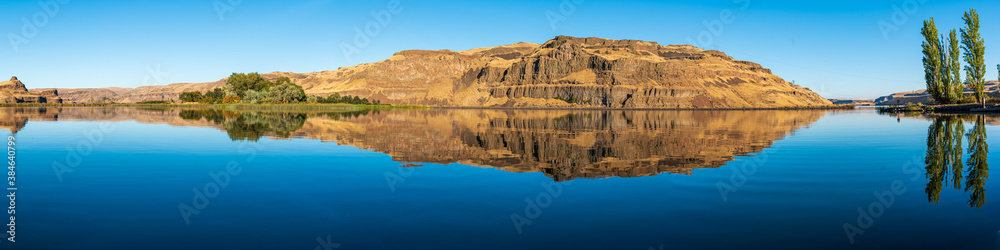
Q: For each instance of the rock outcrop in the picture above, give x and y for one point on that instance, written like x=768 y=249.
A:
x=563 y=72
x=14 y=91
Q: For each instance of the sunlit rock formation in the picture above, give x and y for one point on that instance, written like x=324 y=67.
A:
x=14 y=91
x=562 y=72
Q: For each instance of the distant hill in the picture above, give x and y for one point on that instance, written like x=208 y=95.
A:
x=562 y=72
x=855 y=102
x=921 y=96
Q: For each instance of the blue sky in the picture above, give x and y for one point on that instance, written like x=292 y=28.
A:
x=833 y=47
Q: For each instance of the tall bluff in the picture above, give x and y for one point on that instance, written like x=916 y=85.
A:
x=637 y=74
x=562 y=72
x=568 y=72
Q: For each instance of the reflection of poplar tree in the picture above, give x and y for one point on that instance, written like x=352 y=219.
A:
x=944 y=153
x=944 y=157
x=957 y=130
x=978 y=166
x=933 y=160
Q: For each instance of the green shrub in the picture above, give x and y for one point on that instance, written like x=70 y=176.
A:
x=240 y=83
x=193 y=96
x=254 y=97
x=284 y=93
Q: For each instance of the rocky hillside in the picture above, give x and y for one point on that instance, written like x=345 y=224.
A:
x=14 y=91
x=132 y=95
x=563 y=72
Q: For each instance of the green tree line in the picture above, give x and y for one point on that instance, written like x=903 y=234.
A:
x=348 y=99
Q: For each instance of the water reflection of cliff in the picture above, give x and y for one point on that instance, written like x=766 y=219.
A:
x=567 y=144
x=945 y=154
x=14 y=119
x=562 y=144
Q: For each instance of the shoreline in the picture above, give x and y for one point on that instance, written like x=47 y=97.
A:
x=351 y=106
x=233 y=107
x=846 y=107
x=973 y=108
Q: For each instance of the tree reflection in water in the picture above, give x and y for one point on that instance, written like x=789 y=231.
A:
x=945 y=155
x=978 y=170
x=251 y=126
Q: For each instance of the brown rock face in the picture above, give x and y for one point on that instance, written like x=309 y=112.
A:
x=637 y=74
x=14 y=91
x=14 y=85
x=133 y=95
x=563 y=72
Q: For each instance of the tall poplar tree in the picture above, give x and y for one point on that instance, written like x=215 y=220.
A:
x=951 y=76
x=932 y=59
x=975 y=50
x=945 y=77
x=952 y=68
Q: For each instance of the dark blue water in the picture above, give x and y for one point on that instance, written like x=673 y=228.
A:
x=99 y=178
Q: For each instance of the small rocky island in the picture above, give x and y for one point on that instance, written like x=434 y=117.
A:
x=13 y=91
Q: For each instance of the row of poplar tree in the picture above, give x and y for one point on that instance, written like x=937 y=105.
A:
x=942 y=66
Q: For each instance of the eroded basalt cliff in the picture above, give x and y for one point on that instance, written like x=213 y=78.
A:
x=563 y=72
